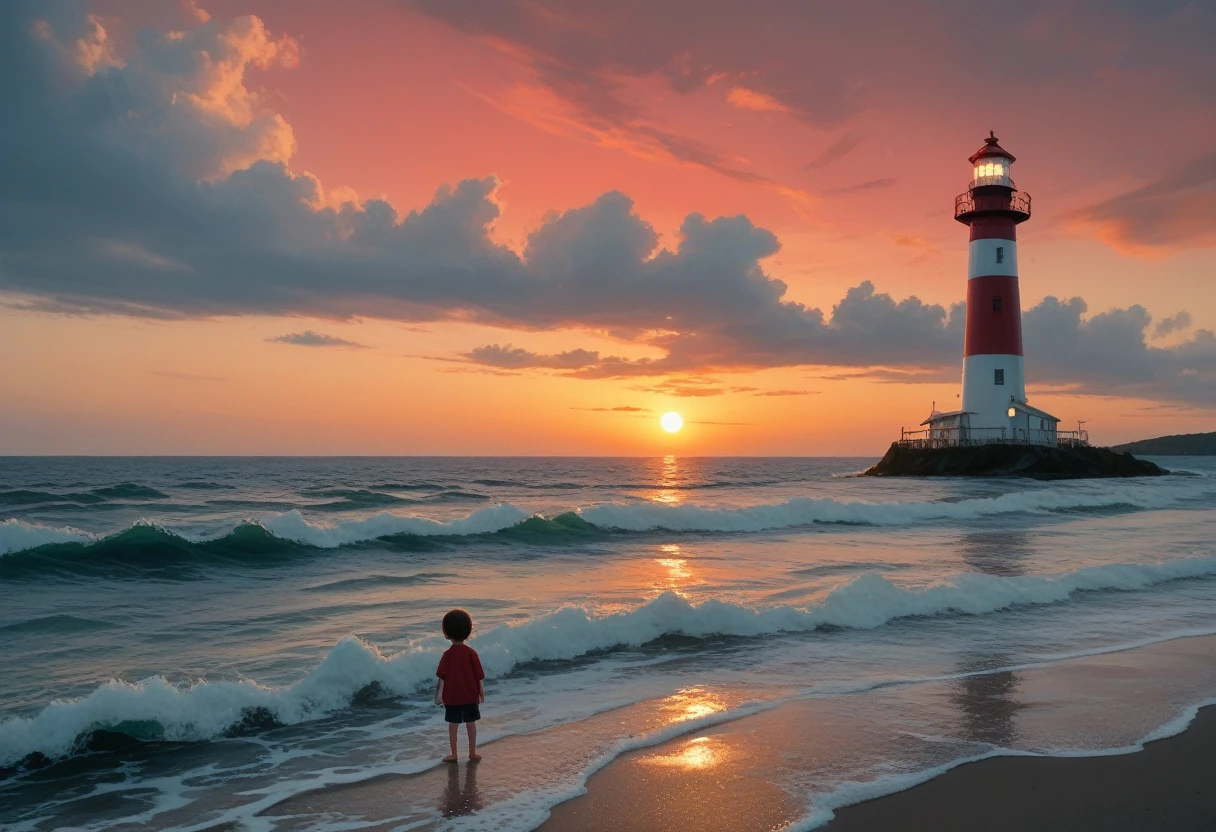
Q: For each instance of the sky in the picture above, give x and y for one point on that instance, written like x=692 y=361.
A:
x=532 y=227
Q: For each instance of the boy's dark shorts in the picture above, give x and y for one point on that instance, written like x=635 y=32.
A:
x=461 y=713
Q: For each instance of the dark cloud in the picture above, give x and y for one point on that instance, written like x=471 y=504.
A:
x=123 y=194
x=513 y=357
x=1178 y=209
x=1175 y=323
x=308 y=338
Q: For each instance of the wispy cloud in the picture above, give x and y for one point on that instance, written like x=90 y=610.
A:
x=308 y=338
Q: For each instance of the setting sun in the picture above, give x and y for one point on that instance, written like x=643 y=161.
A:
x=671 y=422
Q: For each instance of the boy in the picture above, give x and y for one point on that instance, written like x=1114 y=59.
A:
x=460 y=686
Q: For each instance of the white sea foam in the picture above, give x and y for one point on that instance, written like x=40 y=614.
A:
x=205 y=710
x=17 y=535
x=293 y=526
x=801 y=511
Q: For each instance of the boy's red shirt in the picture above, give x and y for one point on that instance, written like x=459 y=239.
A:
x=460 y=670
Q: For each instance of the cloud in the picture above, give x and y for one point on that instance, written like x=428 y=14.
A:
x=159 y=187
x=1177 y=210
x=836 y=151
x=786 y=393
x=1175 y=323
x=746 y=99
x=622 y=409
x=871 y=185
x=508 y=356
x=308 y=338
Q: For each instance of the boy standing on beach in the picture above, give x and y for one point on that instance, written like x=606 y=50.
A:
x=460 y=682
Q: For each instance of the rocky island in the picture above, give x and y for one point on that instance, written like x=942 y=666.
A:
x=997 y=459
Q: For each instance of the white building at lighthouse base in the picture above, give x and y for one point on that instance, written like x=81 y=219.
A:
x=1020 y=424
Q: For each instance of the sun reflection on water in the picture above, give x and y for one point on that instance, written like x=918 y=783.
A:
x=668 y=479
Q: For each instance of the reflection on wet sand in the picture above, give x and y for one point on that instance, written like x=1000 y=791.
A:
x=690 y=703
x=987 y=702
x=461 y=800
x=697 y=753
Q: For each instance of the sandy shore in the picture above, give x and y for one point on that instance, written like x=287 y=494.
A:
x=1170 y=785
x=769 y=769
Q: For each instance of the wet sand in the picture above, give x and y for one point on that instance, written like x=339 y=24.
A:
x=1170 y=785
x=763 y=771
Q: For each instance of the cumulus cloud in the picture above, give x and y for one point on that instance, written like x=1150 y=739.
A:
x=158 y=186
x=308 y=338
x=1174 y=323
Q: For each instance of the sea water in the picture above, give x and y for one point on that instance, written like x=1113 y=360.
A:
x=190 y=641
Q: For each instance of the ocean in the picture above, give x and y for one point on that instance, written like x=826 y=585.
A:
x=187 y=643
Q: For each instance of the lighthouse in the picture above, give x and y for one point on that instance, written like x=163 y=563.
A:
x=993 y=406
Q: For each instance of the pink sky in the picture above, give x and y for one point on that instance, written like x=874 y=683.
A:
x=197 y=181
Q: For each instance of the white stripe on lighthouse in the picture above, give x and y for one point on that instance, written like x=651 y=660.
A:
x=992 y=257
x=986 y=399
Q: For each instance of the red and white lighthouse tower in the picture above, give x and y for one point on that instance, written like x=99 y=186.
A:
x=993 y=406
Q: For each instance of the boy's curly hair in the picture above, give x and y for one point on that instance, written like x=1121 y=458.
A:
x=457 y=625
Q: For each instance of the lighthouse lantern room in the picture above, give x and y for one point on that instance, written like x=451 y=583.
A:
x=993 y=405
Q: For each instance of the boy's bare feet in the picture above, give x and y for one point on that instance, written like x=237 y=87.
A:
x=451 y=758
x=474 y=758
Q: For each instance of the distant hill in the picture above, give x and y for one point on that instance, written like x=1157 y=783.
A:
x=1184 y=444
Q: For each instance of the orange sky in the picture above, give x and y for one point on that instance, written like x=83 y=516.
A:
x=843 y=133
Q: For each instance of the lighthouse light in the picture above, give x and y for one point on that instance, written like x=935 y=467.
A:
x=988 y=173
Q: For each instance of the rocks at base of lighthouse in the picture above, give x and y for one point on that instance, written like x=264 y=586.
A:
x=1040 y=462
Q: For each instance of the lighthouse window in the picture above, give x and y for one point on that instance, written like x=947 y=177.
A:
x=998 y=376
x=1000 y=254
x=996 y=304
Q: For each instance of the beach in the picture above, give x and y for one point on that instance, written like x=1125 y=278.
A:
x=740 y=775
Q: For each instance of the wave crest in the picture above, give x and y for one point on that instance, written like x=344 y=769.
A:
x=157 y=709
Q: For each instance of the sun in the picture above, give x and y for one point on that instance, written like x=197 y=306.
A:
x=671 y=422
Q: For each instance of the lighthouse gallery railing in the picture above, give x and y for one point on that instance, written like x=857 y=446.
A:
x=961 y=437
x=965 y=203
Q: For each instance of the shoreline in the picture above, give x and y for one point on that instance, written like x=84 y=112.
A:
x=1165 y=785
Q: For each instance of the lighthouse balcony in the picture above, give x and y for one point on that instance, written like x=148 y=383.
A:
x=992 y=200
x=962 y=436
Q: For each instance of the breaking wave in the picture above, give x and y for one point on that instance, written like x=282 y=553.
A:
x=291 y=529
x=156 y=709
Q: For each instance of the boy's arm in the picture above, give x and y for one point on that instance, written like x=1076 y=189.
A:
x=439 y=693
x=481 y=691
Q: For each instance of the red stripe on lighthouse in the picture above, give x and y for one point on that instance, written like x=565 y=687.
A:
x=989 y=228
x=994 y=316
